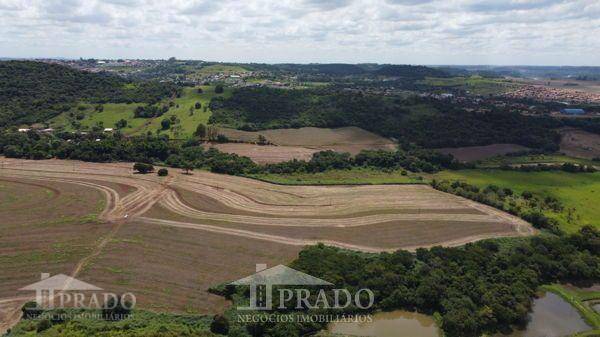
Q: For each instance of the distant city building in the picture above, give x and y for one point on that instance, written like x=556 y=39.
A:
x=573 y=111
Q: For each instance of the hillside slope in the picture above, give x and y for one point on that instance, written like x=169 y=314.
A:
x=35 y=92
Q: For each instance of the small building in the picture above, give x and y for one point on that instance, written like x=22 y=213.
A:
x=108 y=130
x=572 y=111
x=48 y=130
x=24 y=130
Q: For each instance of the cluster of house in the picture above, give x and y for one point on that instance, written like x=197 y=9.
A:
x=545 y=94
x=50 y=130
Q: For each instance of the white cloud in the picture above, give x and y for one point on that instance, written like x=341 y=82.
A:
x=394 y=31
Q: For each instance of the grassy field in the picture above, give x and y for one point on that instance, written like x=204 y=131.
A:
x=580 y=191
x=188 y=122
x=475 y=84
x=534 y=159
x=114 y=112
x=341 y=177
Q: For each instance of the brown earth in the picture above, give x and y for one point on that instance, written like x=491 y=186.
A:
x=301 y=143
x=168 y=239
x=266 y=154
x=474 y=153
x=579 y=143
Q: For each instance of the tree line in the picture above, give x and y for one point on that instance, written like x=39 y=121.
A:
x=442 y=126
x=101 y=147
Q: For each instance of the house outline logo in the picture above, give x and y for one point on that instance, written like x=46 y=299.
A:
x=268 y=277
x=48 y=287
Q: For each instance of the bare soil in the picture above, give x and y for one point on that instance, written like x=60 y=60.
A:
x=579 y=143
x=299 y=141
x=168 y=239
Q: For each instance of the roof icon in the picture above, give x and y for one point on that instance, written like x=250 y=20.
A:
x=60 y=282
x=279 y=275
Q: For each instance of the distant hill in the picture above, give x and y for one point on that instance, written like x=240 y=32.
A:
x=35 y=92
x=335 y=69
x=408 y=71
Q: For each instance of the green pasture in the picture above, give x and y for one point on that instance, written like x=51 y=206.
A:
x=579 y=192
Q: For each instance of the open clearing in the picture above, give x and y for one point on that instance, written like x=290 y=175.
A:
x=266 y=154
x=168 y=239
x=298 y=143
x=578 y=191
x=579 y=143
x=474 y=153
x=86 y=115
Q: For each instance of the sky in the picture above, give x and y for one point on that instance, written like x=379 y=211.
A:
x=500 y=32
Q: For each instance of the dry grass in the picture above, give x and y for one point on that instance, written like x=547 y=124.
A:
x=579 y=143
x=346 y=139
x=267 y=154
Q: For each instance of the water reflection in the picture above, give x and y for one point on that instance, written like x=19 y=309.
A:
x=552 y=317
x=390 y=324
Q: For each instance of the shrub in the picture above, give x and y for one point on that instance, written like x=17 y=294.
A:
x=115 y=309
x=165 y=124
x=219 y=325
x=143 y=168
x=222 y=139
x=31 y=310
x=163 y=172
x=43 y=325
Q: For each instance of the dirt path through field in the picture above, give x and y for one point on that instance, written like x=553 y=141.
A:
x=234 y=206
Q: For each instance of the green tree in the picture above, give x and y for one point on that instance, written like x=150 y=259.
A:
x=187 y=166
x=200 y=131
x=219 y=89
x=143 y=168
x=121 y=123
x=219 y=325
x=165 y=124
x=198 y=105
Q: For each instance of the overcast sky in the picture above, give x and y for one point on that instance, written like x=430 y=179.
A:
x=536 y=32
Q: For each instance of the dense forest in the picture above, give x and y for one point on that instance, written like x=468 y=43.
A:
x=33 y=92
x=483 y=287
x=443 y=126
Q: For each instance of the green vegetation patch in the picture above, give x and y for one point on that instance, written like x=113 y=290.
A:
x=578 y=192
x=80 y=323
x=476 y=85
x=499 y=161
x=187 y=115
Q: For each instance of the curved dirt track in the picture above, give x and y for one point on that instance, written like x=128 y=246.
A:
x=265 y=204
x=365 y=218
